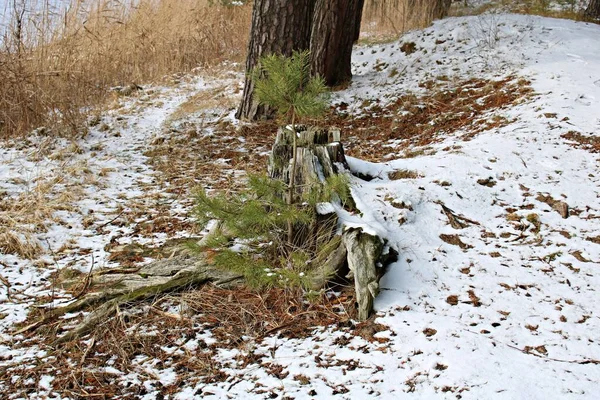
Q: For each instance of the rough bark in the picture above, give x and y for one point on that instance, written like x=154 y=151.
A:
x=336 y=26
x=593 y=9
x=364 y=253
x=278 y=27
x=441 y=8
x=319 y=152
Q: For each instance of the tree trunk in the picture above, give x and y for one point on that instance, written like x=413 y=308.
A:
x=440 y=8
x=278 y=27
x=336 y=26
x=593 y=9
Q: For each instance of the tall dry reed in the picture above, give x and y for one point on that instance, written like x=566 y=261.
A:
x=54 y=64
x=57 y=64
x=389 y=18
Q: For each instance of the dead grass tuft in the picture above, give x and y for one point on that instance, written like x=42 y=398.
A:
x=384 y=20
x=23 y=244
x=403 y=174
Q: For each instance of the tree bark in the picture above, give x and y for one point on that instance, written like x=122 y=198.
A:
x=278 y=27
x=318 y=152
x=441 y=8
x=593 y=9
x=336 y=26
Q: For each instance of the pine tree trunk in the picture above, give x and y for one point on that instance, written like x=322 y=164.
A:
x=336 y=26
x=278 y=27
x=593 y=9
x=441 y=8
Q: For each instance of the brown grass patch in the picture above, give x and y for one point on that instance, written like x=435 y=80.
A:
x=418 y=121
x=589 y=143
x=30 y=211
x=24 y=244
x=57 y=63
x=455 y=241
x=388 y=19
x=403 y=174
x=237 y=319
x=220 y=161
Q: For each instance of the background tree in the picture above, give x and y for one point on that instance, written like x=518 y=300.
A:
x=282 y=26
x=593 y=9
x=328 y=28
x=336 y=26
x=278 y=27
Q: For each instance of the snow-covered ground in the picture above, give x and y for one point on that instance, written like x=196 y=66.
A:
x=504 y=307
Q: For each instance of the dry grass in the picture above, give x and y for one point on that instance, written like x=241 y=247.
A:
x=237 y=319
x=26 y=214
x=383 y=20
x=565 y=9
x=56 y=64
x=403 y=174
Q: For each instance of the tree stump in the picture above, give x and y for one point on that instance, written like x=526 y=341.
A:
x=320 y=154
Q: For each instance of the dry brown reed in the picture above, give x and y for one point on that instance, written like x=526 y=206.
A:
x=386 y=19
x=54 y=67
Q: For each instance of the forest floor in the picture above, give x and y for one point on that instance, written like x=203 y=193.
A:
x=481 y=138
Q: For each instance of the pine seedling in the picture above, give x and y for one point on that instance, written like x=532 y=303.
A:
x=285 y=84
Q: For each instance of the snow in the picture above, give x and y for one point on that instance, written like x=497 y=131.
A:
x=526 y=315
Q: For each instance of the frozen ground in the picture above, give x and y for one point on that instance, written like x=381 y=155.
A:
x=503 y=307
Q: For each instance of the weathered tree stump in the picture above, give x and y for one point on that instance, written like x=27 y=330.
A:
x=320 y=154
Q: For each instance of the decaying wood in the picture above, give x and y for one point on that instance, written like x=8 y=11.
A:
x=327 y=269
x=319 y=153
x=113 y=291
x=364 y=252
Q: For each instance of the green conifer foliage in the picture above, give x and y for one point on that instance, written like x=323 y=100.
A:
x=285 y=83
x=261 y=219
x=258 y=219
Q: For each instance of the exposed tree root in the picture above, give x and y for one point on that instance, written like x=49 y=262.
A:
x=182 y=273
